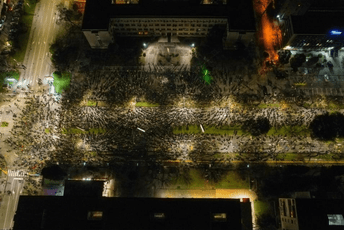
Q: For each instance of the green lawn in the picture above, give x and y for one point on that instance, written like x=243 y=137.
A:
x=23 y=39
x=4 y=124
x=196 y=181
x=61 y=81
x=146 y=104
x=11 y=74
x=79 y=131
x=47 y=131
x=232 y=180
x=261 y=207
x=91 y=103
x=289 y=130
x=196 y=129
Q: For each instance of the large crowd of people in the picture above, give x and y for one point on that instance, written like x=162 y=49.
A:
x=123 y=131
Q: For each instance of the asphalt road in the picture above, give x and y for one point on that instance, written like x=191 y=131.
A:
x=37 y=57
x=9 y=203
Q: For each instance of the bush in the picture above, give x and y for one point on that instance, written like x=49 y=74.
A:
x=4 y=124
x=61 y=81
x=257 y=127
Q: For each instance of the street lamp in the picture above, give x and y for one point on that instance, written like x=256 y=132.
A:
x=193 y=45
x=144 y=45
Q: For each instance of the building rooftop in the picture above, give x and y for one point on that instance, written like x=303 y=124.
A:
x=83 y=188
x=317 y=22
x=42 y=212
x=98 y=13
x=317 y=213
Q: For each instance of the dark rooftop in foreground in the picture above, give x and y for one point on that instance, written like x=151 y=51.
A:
x=83 y=188
x=42 y=212
x=98 y=13
x=317 y=22
x=315 y=214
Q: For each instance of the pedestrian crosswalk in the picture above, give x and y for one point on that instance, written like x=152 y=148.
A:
x=15 y=173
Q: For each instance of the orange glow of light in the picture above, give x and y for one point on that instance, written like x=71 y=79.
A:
x=270 y=32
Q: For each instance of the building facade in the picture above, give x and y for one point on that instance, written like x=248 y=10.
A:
x=105 y=20
x=311 y=214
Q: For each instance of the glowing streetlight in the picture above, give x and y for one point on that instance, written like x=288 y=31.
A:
x=193 y=45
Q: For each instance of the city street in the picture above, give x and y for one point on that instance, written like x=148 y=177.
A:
x=14 y=186
x=44 y=29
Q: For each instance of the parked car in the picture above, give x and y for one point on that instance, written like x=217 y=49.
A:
x=15 y=19
x=6 y=52
x=326 y=78
x=2 y=27
x=13 y=24
x=329 y=64
x=3 y=19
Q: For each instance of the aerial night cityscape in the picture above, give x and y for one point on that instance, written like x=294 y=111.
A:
x=172 y=114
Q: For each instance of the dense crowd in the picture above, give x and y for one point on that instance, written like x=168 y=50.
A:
x=123 y=131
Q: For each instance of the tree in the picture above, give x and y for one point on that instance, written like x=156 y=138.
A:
x=327 y=126
x=65 y=49
x=68 y=15
x=257 y=127
x=297 y=61
x=54 y=173
x=266 y=221
x=284 y=56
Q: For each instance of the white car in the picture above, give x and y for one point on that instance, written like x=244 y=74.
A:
x=326 y=78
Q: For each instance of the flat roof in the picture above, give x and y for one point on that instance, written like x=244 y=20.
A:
x=98 y=12
x=43 y=212
x=83 y=188
x=317 y=22
x=313 y=213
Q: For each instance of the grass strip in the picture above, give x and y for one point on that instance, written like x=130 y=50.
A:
x=146 y=104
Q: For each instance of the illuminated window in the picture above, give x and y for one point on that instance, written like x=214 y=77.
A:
x=146 y=32
x=219 y=217
x=335 y=219
x=159 y=215
x=140 y=32
x=95 y=215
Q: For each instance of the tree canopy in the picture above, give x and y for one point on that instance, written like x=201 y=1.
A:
x=328 y=126
x=297 y=61
x=257 y=127
x=54 y=173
